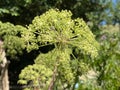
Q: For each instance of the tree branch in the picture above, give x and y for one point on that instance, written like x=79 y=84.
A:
x=53 y=78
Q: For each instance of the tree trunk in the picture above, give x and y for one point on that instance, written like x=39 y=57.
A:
x=4 y=81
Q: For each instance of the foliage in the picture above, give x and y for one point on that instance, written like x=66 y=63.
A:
x=107 y=63
x=38 y=75
x=58 y=29
x=115 y=14
x=8 y=7
x=110 y=58
x=45 y=33
x=23 y=11
x=11 y=35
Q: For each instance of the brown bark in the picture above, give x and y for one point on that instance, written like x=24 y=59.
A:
x=4 y=81
x=53 y=79
x=4 y=78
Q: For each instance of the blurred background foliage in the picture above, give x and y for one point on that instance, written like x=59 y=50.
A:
x=102 y=17
x=23 y=11
x=107 y=63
